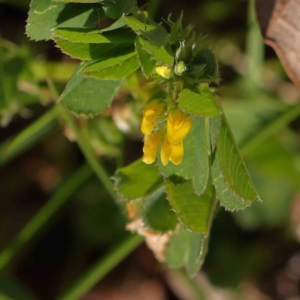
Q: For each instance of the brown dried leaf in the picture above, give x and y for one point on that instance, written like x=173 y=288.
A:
x=280 y=25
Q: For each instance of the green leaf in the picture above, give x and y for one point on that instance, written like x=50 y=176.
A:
x=137 y=180
x=201 y=162
x=156 y=212
x=199 y=103
x=207 y=58
x=91 y=35
x=115 y=68
x=88 y=96
x=162 y=54
x=116 y=25
x=45 y=15
x=178 y=249
x=151 y=31
x=214 y=128
x=92 y=51
x=195 y=212
x=198 y=250
x=186 y=249
x=232 y=181
x=114 y=9
x=110 y=62
x=145 y=59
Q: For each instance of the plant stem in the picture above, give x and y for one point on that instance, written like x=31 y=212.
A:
x=101 y=268
x=87 y=151
x=193 y=285
x=28 y=137
x=282 y=121
x=85 y=146
x=153 y=8
x=255 y=50
x=46 y=212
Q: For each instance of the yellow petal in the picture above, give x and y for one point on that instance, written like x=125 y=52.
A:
x=177 y=153
x=176 y=118
x=151 y=143
x=165 y=151
x=155 y=107
x=151 y=111
x=164 y=71
x=147 y=125
x=178 y=126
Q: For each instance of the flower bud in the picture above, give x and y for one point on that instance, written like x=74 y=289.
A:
x=180 y=68
x=164 y=71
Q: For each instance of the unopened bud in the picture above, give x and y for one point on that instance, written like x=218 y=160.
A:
x=164 y=71
x=180 y=68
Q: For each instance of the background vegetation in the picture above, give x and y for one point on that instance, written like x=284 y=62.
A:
x=60 y=230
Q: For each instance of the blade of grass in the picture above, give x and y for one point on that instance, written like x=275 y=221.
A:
x=101 y=268
x=153 y=6
x=28 y=137
x=255 y=50
x=46 y=212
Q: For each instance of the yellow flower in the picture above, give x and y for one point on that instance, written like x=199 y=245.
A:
x=178 y=126
x=172 y=152
x=151 y=111
x=164 y=71
x=151 y=143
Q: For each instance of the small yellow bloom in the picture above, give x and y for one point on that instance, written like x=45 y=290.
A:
x=164 y=71
x=172 y=152
x=151 y=143
x=151 y=111
x=178 y=126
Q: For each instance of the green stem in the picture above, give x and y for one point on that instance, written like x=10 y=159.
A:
x=45 y=214
x=87 y=151
x=28 y=137
x=101 y=268
x=153 y=8
x=84 y=145
x=255 y=50
x=282 y=121
x=193 y=285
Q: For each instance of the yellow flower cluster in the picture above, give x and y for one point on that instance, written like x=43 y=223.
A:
x=178 y=126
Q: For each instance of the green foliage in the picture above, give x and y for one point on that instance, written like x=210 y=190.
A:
x=149 y=30
x=111 y=69
x=201 y=160
x=161 y=54
x=137 y=180
x=45 y=15
x=233 y=184
x=146 y=62
x=193 y=211
x=186 y=249
x=200 y=103
x=81 y=94
x=156 y=212
x=177 y=199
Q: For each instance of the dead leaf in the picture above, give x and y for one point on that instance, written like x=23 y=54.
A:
x=280 y=25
